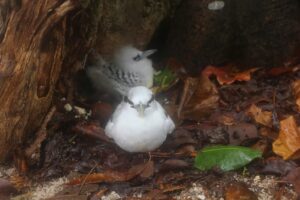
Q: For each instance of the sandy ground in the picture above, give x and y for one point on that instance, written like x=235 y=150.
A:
x=264 y=187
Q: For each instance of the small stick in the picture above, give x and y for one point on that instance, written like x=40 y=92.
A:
x=41 y=134
x=84 y=180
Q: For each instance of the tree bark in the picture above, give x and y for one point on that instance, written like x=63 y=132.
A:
x=32 y=37
x=46 y=41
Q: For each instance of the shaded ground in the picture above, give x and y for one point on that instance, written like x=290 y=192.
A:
x=76 y=146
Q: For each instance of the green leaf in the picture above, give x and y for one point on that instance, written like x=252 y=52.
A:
x=164 y=79
x=225 y=158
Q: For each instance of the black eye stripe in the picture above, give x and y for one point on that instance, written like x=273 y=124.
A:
x=150 y=101
x=128 y=101
x=137 y=57
x=132 y=104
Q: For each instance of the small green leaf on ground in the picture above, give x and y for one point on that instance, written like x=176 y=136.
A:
x=225 y=158
x=164 y=79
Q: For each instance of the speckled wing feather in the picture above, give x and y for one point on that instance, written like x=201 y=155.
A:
x=108 y=76
x=129 y=79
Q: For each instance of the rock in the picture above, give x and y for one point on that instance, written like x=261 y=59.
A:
x=129 y=22
x=249 y=33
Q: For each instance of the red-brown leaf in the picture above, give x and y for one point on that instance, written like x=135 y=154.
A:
x=228 y=74
x=110 y=176
x=199 y=98
x=239 y=191
x=92 y=130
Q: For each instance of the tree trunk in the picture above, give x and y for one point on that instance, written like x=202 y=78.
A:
x=43 y=41
x=32 y=37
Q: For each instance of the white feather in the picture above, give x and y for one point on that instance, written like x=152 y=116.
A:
x=134 y=133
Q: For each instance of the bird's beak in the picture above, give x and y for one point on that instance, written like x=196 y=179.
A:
x=141 y=110
x=148 y=53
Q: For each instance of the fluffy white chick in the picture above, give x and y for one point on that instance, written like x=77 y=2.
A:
x=139 y=123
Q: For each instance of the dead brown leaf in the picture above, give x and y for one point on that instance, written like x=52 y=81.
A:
x=226 y=119
x=190 y=86
x=6 y=189
x=287 y=144
x=261 y=145
x=110 y=176
x=20 y=182
x=278 y=166
x=181 y=137
x=100 y=193
x=171 y=188
x=172 y=164
x=172 y=110
x=92 y=130
x=228 y=74
x=154 y=194
x=239 y=191
x=275 y=71
x=294 y=178
x=188 y=150
x=174 y=65
x=20 y=161
x=240 y=132
x=261 y=117
x=268 y=132
x=148 y=170
x=200 y=96
x=102 y=111
x=296 y=91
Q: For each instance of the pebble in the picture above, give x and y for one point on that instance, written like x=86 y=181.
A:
x=79 y=110
x=111 y=196
x=216 y=5
x=201 y=197
x=68 y=107
x=256 y=179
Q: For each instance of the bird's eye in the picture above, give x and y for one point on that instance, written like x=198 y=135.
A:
x=150 y=101
x=128 y=101
x=137 y=57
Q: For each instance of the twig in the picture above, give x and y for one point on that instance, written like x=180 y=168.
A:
x=274 y=98
x=166 y=155
x=101 y=192
x=183 y=98
x=189 y=89
x=84 y=180
x=41 y=134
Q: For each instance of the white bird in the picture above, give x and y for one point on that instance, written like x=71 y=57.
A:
x=130 y=67
x=139 y=123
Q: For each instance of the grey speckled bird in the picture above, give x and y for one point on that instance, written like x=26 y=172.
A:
x=130 y=67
